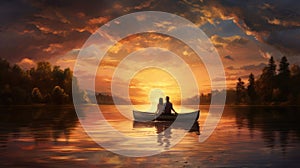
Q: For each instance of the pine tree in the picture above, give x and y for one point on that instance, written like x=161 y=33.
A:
x=271 y=67
x=240 y=91
x=251 y=89
x=266 y=82
x=284 y=67
x=283 y=80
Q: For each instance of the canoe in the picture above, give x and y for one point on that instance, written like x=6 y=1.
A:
x=148 y=116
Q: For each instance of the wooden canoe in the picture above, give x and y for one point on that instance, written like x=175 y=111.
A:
x=148 y=116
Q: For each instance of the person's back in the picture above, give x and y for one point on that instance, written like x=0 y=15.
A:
x=160 y=107
x=168 y=108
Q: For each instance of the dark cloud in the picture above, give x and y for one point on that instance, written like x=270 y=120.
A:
x=273 y=22
x=41 y=30
x=14 y=11
x=253 y=67
x=231 y=68
x=286 y=41
x=228 y=57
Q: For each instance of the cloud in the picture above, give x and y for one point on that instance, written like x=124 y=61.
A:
x=26 y=63
x=233 y=72
x=269 y=22
x=224 y=42
x=228 y=57
x=94 y=23
x=286 y=41
x=258 y=67
x=266 y=55
x=231 y=68
x=255 y=67
x=145 y=4
x=47 y=29
x=53 y=48
x=40 y=30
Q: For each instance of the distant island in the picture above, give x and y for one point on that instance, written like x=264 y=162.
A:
x=47 y=84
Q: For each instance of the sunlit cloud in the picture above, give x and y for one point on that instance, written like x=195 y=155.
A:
x=266 y=55
x=53 y=48
x=26 y=63
x=224 y=42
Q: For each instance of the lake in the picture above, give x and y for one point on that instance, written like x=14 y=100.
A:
x=52 y=136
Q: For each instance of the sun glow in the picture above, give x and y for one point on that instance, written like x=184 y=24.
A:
x=148 y=85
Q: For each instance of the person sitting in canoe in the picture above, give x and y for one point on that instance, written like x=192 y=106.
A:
x=169 y=107
x=160 y=107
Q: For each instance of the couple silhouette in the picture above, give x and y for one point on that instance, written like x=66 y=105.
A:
x=165 y=108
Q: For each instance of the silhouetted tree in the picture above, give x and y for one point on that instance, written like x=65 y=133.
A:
x=58 y=76
x=251 y=89
x=295 y=70
x=6 y=95
x=19 y=95
x=240 y=91
x=37 y=97
x=14 y=84
x=284 y=67
x=283 y=80
x=4 y=70
x=35 y=85
x=68 y=79
x=205 y=98
x=230 y=96
x=271 y=67
x=58 y=95
x=266 y=82
x=42 y=77
x=294 y=97
x=47 y=84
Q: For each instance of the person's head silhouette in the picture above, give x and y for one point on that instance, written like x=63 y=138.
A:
x=167 y=98
x=161 y=101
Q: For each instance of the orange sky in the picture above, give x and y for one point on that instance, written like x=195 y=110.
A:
x=148 y=79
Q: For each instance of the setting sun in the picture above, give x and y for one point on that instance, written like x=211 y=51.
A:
x=148 y=85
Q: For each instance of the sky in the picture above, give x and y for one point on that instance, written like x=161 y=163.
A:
x=245 y=34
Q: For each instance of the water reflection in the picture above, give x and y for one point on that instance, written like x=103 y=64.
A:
x=43 y=123
x=163 y=133
x=277 y=124
x=245 y=137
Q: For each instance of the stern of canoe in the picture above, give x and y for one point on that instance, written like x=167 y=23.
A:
x=143 y=116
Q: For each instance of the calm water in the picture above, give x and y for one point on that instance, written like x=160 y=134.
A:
x=49 y=136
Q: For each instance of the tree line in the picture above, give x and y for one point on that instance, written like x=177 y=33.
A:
x=52 y=85
x=43 y=84
x=275 y=86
